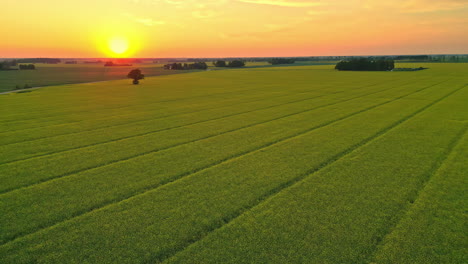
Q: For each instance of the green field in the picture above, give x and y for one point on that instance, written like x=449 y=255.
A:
x=298 y=164
x=55 y=74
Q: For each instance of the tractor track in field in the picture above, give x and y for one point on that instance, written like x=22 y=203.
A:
x=239 y=155
x=166 y=116
x=155 y=103
x=91 y=110
x=175 y=127
x=158 y=102
x=152 y=103
x=270 y=195
x=430 y=173
x=174 y=115
x=175 y=145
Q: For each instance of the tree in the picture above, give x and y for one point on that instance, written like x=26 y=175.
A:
x=276 y=61
x=219 y=63
x=135 y=75
x=186 y=66
x=27 y=67
x=366 y=64
x=235 y=64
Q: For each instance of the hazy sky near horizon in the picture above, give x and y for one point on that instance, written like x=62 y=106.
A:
x=230 y=28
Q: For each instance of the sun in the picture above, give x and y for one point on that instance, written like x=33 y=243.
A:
x=118 y=46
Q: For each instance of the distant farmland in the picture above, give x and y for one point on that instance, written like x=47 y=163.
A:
x=299 y=164
x=58 y=74
x=55 y=74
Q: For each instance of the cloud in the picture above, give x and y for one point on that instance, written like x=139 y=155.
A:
x=182 y=2
x=317 y=12
x=145 y=21
x=149 y=22
x=418 y=6
x=204 y=13
x=286 y=3
x=174 y=2
x=423 y=6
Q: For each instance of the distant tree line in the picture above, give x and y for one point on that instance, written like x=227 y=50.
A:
x=111 y=64
x=413 y=57
x=186 y=66
x=27 y=67
x=71 y=62
x=128 y=60
x=39 y=60
x=230 y=64
x=5 y=65
x=93 y=62
x=365 y=64
x=219 y=63
x=276 y=61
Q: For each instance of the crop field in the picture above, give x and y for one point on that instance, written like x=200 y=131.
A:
x=55 y=74
x=298 y=164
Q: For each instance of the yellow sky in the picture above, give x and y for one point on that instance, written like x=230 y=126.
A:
x=230 y=28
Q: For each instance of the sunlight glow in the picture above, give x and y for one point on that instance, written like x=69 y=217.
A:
x=215 y=28
x=119 y=46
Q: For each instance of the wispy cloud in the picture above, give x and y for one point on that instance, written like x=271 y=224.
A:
x=317 y=12
x=145 y=21
x=418 y=6
x=287 y=3
x=204 y=13
x=149 y=22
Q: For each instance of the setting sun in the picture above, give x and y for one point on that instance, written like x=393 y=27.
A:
x=118 y=46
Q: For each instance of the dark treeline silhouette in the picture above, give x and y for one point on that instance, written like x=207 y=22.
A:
x=27 y=67
x=71 y=62
x=186 y=66
x=413 y=57
x=39 y=60
x=230 y=64
x=235 y=64
x=111 y=64
x=128 y=60
x=93 y=62
x=276 y=61
x=5 y=65
x=366 y=64
x=219 y=63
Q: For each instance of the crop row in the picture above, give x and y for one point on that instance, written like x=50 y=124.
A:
x=47 y=145
x=100 y=108
x=143 y=111
x=65 y=100
x=430 y=230
x=341 y=213
x=179 y=211
x=30 y=171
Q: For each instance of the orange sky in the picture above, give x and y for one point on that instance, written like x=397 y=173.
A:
x=230 y=28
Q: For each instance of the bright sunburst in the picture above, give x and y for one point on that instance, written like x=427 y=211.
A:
x=118 y=46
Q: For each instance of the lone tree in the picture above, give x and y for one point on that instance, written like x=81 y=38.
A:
x=136 y=76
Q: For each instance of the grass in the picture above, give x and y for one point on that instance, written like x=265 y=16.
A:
x=55 y=74
x=433 y=230
x=266 y=165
